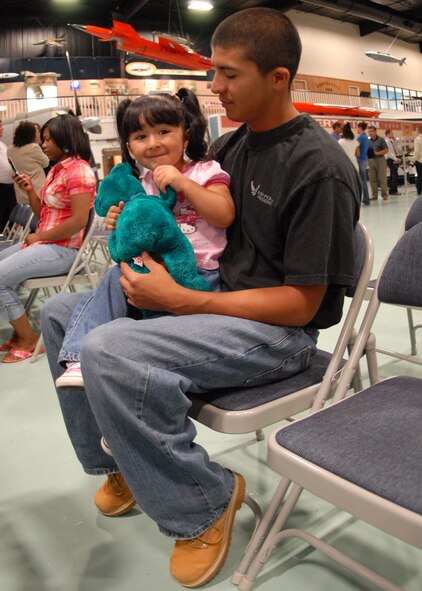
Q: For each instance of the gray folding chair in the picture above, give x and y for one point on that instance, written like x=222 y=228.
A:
x=414 y=216
x=362 y=453
x=20 y=226
x=244 y=410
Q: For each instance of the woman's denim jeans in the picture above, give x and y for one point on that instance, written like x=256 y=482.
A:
x=18 y=264
x=136 y=375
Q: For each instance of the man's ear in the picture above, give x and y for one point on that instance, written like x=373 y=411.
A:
x=281 y=78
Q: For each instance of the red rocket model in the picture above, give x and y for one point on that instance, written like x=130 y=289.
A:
x=165 y=48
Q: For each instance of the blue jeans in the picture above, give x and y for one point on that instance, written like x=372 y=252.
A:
x=18 y=264
x=363 y=165
x=106 y=303
x=136 y=376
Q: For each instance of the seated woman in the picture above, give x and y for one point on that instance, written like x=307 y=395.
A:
x=63 y=208
x=28 y=157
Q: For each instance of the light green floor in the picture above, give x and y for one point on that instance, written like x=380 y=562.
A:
x=53 y=539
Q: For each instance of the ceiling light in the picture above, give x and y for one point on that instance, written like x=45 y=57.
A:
x=200 y=5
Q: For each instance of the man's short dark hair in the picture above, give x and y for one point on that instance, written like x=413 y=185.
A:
x=267 y=37
x=336 y=124
x=372 y=127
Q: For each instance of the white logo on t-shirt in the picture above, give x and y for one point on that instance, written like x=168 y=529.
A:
x=261 y=195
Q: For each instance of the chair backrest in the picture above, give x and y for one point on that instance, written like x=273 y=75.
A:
x=399 y=282
x=9 y=224
x=414 y=215
x=401 y=278
x=364 y=259
x=20 y=226
x=359 y=252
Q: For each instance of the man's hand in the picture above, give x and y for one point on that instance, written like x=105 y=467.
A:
x=155 y=290
x=113 y=214
x=165 y=175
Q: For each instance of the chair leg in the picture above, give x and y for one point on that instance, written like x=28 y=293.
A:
x=37 y=349
x=260 y=435
x=357 y=377
x=260 y=532
x=412 y=331
x=248 y=580
x=371 y=359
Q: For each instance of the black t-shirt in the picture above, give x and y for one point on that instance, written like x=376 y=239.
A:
x=297 y=199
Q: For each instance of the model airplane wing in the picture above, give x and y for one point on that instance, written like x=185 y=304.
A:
x=165 y=49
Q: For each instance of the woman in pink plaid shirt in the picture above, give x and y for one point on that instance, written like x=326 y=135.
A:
x=63 y=210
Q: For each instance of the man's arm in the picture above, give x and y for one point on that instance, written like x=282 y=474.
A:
x=285 y=305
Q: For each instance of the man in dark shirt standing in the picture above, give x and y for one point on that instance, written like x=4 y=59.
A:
x=377 y=164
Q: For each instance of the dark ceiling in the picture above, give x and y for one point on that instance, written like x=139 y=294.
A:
x=391 y=17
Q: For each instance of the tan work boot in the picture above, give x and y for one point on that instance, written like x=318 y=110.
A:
x=114 y=498
x=195 y=562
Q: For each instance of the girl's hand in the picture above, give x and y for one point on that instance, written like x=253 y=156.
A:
x=113 y=214
x=24 y=181
x=165 y=175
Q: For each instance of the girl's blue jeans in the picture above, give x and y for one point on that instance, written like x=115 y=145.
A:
x=106 y=303
x=137 y=374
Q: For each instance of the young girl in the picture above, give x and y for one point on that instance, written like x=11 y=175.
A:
x=156 y=132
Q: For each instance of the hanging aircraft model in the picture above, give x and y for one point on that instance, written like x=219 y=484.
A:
x=384 y=56
x=52 y=41
x=7 y=75
x=36 y=80
x=165 y=48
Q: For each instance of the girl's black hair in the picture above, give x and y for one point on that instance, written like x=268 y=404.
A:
x=24 y=134
x=181 y=109
x=347 y=132
x=68 y=134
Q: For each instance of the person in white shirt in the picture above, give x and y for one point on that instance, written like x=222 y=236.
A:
x=392 y=162
x=350 y=144
x=418 y=161
x=7 y=192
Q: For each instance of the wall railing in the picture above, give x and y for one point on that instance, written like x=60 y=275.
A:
x=105 y=105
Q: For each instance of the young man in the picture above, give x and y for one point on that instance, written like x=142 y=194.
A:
x=284 y=272
x=377 y=164
x=392 y=162
x=363 y=160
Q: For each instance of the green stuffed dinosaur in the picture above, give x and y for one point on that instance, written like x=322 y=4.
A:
x=147 y=224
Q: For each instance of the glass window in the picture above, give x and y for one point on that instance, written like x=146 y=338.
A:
x=383 y=91
x=374 y=91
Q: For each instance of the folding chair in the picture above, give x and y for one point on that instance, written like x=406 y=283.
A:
x=8 y=226
x=361 y=453
x=20 y=225
x=413 y=217
x=244 y=410
x=86 y=270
